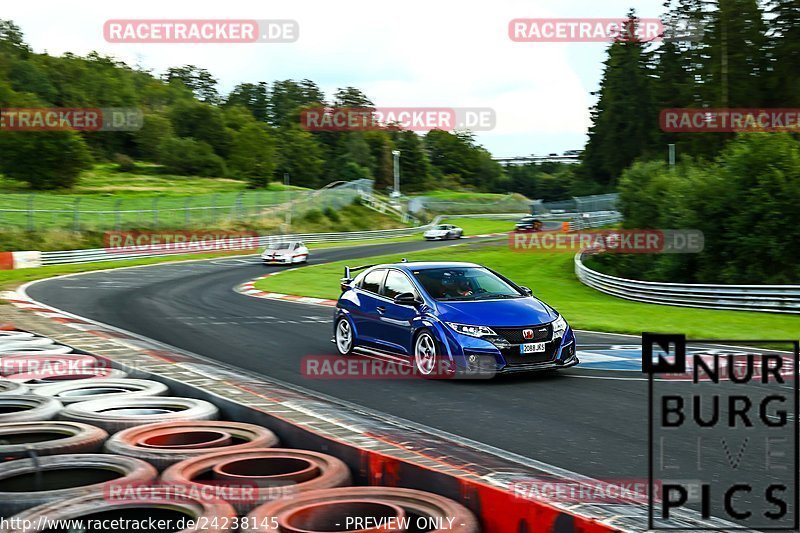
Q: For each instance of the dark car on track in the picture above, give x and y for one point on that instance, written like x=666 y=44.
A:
x=529 y=223
x=462 y=317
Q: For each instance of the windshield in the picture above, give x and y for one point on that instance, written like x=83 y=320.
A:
x=464 y=283
x=280 y=246
x=440 y=227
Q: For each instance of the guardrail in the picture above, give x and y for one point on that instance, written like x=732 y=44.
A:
x=94 y=255
x=102 y=254
x=764 y=298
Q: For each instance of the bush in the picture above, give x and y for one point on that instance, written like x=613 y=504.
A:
x=43 y=159
x=332 y=215
x=314 y=216
x=124 y=163
x=188 y=156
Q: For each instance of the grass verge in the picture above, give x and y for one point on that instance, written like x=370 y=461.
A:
x=552 y=278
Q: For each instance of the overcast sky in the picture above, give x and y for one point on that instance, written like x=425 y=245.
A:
x=432 y=53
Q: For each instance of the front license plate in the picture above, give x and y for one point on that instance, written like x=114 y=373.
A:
x=532 y=348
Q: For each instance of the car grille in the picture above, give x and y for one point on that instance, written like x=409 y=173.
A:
x=513 y=357
x=515 y=336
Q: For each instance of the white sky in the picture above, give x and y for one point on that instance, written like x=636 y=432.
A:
x=432 y=53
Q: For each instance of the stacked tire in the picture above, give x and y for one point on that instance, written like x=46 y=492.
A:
x=81 y=440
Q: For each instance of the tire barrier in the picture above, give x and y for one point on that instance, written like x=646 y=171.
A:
x=27 y=408
x=26 y=483
x=23 y=364
x=211 y=516
x=116 y=414
x=102 y=389
x=167 y=443
x=34 y=380
x=49 y=349
x=18 y=440
x=10 y=345
x=12 y=387
x=11 y=335
x=332 y=510
x=275 y=472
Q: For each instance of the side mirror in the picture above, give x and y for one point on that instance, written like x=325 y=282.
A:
x=406 y=298
x=527 y=291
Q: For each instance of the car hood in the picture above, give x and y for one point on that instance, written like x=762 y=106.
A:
x=276 y=252
x=501 y=313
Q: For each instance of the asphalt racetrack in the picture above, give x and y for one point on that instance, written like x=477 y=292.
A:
x=591 y=419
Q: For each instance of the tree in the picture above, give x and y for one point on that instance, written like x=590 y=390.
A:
x=155 y=130
x=784 y=86
x=457 y=154
x=43 y=159
x=253 y=154
x=624 y=119
x=351 y=97
x=202 y=84
x=415 y=169
x=300 y=156
x=287 y=97
x=190 y=157
x=203 y=122
x=251 y=96
x=380 y=147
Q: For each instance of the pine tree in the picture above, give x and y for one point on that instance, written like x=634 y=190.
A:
x=624 y=120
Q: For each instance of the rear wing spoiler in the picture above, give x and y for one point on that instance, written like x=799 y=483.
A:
x=348 y=275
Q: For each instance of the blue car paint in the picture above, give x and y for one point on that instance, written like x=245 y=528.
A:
x=393 y=328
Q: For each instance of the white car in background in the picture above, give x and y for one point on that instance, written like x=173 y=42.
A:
x=443 y=232
x=285 y=253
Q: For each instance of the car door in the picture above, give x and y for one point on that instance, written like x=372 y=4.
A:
x=365 y=315
x=300 y=253
x=397 y=320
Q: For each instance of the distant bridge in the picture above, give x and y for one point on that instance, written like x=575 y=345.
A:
x=527 y=159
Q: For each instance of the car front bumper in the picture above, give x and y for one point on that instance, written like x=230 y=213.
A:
x=276 y=260
x=480 y=356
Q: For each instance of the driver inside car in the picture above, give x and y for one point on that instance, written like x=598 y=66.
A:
x=463 y=288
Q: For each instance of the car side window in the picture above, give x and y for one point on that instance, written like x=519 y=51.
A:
x=372 y=281
x=397 y=283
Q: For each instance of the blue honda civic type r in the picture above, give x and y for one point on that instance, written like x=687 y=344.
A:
x=462 y=317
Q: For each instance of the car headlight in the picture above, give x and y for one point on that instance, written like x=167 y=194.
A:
x=559 y=326
x=471 y=331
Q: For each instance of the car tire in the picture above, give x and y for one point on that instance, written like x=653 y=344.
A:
x=432 y=508
x=12 y=387
x=27 y=408
x=114 y=415
x=427 y=357
x=301 y=471
x=84 y=390
x=165 y=443
x=215 y=515
x=49 y=437
x=98 y=472
x=343 y=330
